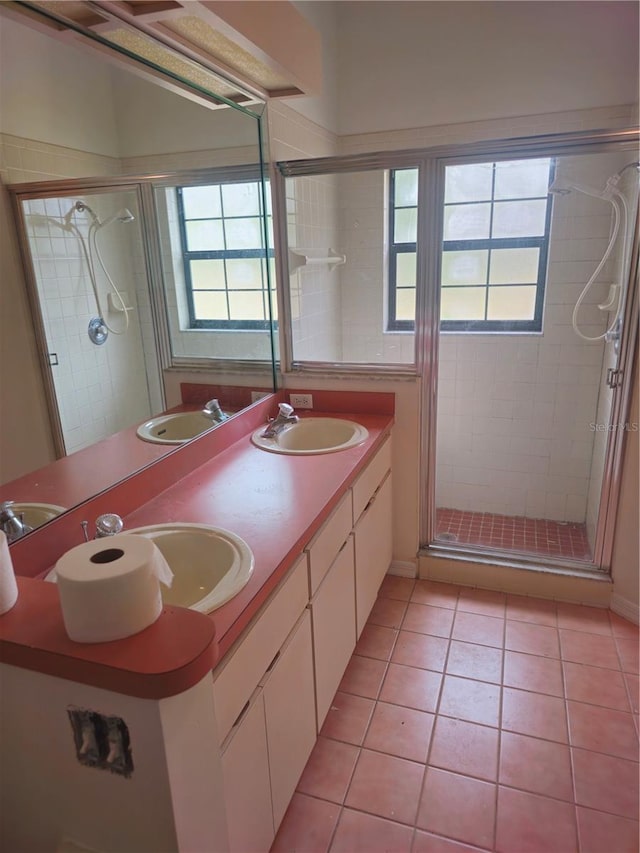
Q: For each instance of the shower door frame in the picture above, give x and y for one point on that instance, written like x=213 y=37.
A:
x=64 y=188
x=428 y=335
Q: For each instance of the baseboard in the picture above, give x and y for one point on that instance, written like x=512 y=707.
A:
x=625 y=608
x=403 y=569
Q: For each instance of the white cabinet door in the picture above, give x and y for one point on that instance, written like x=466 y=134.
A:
x=333 y=613
x=289 y=703
x=373 y=534
x=247 y=785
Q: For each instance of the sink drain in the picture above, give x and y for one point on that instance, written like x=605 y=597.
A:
x=447 y=537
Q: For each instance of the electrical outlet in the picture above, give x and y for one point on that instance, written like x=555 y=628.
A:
x=301 y=401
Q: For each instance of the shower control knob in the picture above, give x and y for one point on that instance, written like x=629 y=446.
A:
x=97 y=331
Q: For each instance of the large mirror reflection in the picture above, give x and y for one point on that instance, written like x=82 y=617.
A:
x=144 y=228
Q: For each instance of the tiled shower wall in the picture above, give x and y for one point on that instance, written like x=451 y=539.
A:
x=316 y=289
x=99 y=389
x=516 y=412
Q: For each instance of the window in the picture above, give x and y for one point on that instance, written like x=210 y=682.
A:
x=225 y=257
x=494 y=254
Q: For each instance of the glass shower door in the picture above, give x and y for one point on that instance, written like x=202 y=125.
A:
x=88 y=264
x=534 y=277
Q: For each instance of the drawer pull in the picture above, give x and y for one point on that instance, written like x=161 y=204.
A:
x=273 y=662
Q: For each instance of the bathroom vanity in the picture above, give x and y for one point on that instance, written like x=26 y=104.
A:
x=320 y=530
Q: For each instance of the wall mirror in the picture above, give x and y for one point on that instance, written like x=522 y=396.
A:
x=142 y=212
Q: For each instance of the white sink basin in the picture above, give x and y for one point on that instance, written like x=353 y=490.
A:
x=174 y=429
x=35 y=514
x=210 y=565
x=313 y=435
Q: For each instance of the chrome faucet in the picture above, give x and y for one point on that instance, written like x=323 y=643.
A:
x=213 y=411
x=13 y=525
x=284 y=418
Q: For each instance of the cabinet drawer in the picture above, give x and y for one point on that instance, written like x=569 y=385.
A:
x=235 y=680
x=327 y=542
x=370 y=479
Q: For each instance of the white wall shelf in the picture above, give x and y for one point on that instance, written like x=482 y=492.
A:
x=301 y=258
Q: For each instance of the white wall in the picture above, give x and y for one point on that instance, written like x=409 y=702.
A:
x=143 y=129
x=414 y=64
x=625 y=569
x=42 y=85
x=323 y=107
x=172 y=800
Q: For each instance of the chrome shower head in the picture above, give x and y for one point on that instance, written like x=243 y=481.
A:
x=559 y=188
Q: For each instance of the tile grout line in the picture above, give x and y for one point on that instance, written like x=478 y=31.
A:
x=435 y=715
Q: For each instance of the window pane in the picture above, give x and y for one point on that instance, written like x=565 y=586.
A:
x=205 y=235
x=514 y=266
x=406 y=304
x=243 y=233
x=468 y=183
x=406 y=269
x=246 y=306
x=406 y=226
x=201 y=202
x=207 y=275
x=244 y=272
x=462 y=303
x=460 y=268
x=511 y=303
x=522 y=178
x=467 y=222
x=210 y=306
x=406 y=187
x=519 y=218
x=241 y=199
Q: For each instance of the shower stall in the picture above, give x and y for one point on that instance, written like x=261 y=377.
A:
x=534 y=287
x=86 y=252
x=503 y=275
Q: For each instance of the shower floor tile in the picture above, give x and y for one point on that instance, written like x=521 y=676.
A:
x=479 y=747
x=513 y=533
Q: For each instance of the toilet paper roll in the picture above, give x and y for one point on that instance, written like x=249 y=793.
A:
x=110 y=588
x=8 y=585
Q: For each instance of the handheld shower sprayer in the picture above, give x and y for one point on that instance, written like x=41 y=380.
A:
x=620 y=214
x=95 y=226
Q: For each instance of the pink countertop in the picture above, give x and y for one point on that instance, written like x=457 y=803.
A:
x=75 y=478
x=274 y=502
